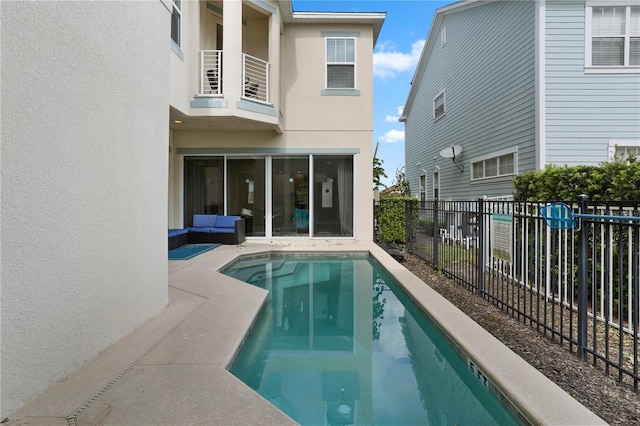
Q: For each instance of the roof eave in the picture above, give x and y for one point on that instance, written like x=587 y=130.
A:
x=376 y=19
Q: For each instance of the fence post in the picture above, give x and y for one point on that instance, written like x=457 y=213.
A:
x=436 y=234
x=583 y=265
x=408 y=229
x=375 y=231
x=480 y=257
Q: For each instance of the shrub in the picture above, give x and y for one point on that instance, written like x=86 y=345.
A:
x=618 y=180
x=391 y=219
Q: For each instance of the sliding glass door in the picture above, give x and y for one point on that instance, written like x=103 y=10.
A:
x=246 y=192
x=333 y=195
x=298 y=205
x=290 y=196
x=203 y=187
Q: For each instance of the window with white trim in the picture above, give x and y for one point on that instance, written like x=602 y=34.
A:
x=176 y=18
x=495 y=166
x=438 y=106
x=341 y=63
x=436 y=184
x=612 y=36
x=443 y=36
x=423 y=187
x=624 y=149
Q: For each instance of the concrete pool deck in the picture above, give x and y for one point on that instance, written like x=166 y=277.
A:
x=172 y=369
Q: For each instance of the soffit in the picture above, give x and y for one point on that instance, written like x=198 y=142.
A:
x=230 y=123
x=376 y=19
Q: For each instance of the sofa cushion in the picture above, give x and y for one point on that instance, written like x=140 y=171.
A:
x=204 y=220
x=226 y=221
x=176 y=232
x=204 y=229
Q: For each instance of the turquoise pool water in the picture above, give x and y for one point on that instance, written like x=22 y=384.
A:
x=339 y=343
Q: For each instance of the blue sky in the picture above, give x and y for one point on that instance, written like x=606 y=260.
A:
x=395 y=57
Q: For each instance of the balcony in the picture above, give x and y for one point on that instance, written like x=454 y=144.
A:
x=210 y=73
x=255 y=77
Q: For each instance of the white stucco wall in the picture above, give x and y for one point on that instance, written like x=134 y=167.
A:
x=85 y=96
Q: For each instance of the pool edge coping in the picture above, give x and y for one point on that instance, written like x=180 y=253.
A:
x=538 y=398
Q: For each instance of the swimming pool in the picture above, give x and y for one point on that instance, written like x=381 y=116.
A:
x=338 y=342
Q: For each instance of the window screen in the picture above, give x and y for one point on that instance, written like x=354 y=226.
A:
x=438 y=106
x=615 y=36
x=175 y=21
x=341 y=63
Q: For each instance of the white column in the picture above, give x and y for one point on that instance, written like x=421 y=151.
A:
x=232 y=51
x=274 y=60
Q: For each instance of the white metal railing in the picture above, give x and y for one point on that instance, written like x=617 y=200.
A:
x=255 y=77
x=210 y=73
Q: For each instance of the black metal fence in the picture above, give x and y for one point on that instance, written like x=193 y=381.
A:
x=579 y=286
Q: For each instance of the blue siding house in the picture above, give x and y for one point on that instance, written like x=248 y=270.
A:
x=505 y=87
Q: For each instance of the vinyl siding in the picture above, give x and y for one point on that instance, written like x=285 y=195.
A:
x=486 y=69
x=583 y=111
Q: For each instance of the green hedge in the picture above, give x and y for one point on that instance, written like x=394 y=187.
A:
x=614 y=181
x=391 y=218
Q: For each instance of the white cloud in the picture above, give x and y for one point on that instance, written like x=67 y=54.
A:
x=387 y=62
x=393 y=136
x=394 y=118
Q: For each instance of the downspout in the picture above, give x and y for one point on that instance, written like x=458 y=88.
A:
x=540 y=85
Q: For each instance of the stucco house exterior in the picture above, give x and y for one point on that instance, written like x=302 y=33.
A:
x=123 y=119
x=272 y=118
x=512 y=86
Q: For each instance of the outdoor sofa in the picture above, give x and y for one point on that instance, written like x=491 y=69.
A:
x=212 y=228
x=209 y=228
x=178 y=238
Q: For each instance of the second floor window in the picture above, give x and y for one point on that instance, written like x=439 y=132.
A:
x=614 y=36
x=438 y=106
x=341 y=63
x=176 y=16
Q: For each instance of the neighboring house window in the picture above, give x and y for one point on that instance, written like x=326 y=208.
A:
x=438 y=106
x=443 y=36
x=176 y=17
x=501 y=164
x=624 y=149
x=423 y=187
x=612 y=36
x=436 y=184
x=341 y=63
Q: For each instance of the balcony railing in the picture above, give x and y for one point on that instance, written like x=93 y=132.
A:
x=210 y=73
x=255 y=73
x=255 y=76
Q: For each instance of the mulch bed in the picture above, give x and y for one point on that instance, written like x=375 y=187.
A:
x=615 y=403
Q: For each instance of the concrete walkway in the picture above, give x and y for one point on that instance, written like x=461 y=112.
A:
x=172 y=369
